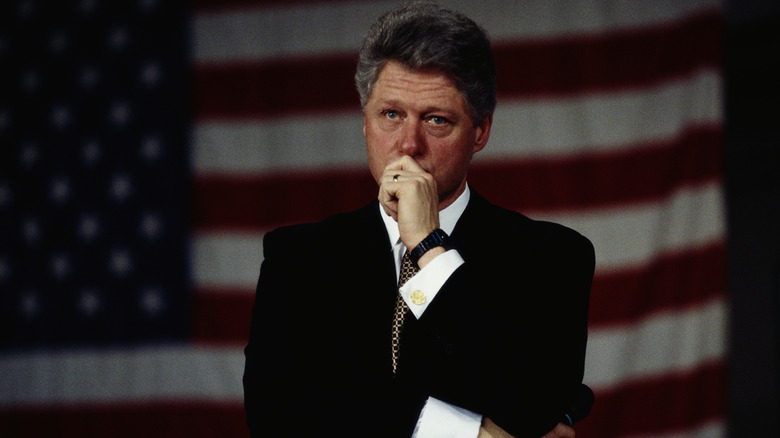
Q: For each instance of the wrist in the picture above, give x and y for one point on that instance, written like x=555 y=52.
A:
x=435 y=243
x=429 y=256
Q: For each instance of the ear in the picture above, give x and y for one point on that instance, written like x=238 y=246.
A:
x=364 y=125
x=482 y=133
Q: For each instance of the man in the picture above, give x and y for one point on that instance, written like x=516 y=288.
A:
x=488 y=338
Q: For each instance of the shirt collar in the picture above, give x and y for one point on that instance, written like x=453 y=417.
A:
x=448 y=217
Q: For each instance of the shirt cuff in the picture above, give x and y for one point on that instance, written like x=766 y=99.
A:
x=440 y=419
x=421 y=289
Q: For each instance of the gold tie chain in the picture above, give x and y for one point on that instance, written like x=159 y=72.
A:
x=407 y=271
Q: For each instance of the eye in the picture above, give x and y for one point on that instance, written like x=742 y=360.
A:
x=391 y=114
x=438 y=120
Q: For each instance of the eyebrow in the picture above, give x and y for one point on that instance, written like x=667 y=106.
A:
x=426 y=110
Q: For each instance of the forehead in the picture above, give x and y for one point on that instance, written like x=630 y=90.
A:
x=397 y=83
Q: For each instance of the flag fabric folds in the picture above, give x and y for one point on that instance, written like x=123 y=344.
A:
x=610 y=121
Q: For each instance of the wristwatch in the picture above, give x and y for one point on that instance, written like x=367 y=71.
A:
x=437 y=238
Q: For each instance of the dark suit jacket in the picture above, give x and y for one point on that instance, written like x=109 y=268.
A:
x=505 y=336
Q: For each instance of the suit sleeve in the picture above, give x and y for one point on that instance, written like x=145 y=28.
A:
x=284 y=393
x=269 y=385
x=310 y=370
x=509 y=332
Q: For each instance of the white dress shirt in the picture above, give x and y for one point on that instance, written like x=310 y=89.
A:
x=437 y=419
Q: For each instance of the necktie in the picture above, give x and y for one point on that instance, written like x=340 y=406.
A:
x=407 y=271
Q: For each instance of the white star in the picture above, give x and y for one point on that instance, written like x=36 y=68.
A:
x=60 y=116
x=28 y=155
x=151 y=148
x=87 y=7
x=118 y=38
x=31 y=230
x=88 y=227
x=60 y=266
x=5 y=119
x=121 y=187
x=5 y=269
x=60 y=189
x=151 y=74
x=147 y=5
x=152 y=301
x=151 y=226
x=31 y=80
x=90 y=152
x=29 y=304
x=120 y=113
x=26 y=9
x=89 y=77
x=59 y=42
x=5 y=194
x=89 y=302
x=120 y=262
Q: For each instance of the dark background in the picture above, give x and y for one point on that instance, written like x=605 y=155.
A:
x=752 y=66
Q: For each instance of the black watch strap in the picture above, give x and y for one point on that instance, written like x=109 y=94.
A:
x=436 y=238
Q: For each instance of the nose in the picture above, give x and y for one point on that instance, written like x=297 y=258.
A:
x=412 y=138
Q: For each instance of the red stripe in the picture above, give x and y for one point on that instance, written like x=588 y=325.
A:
x=221 y=316
x=127 y=420
x=636 y=174
x=673 y=281
x=639 y=174
x=618 y=60
x=665 y=404
x=225 y=202
x=206 y=6
x=276 y=88
x=659 y=405
x=639 y=57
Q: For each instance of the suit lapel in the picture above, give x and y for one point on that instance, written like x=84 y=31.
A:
x=372 y=287
x=370 y=248
x=466 y=233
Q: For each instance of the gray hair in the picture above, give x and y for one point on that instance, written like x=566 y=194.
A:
x=423 y=35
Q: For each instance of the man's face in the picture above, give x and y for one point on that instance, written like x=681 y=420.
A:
x=423 y=115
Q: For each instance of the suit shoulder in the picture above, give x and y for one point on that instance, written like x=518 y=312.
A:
x=316 y=234
x=524 y=225
x=543 y=237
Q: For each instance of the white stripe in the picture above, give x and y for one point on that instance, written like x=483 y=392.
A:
x=630 y=236
x=615 y=356
x=255 y=34
x=714 y=429
x=142 y=374
x=624 y=237
x=608 y=121
x=227 y=260
x=279 y=145
x=667 y=343
x=521 y=129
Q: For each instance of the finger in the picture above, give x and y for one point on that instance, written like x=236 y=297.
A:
x=406 y=163
x=388 y=199
x=493 y=430
x=409 y=164
x=394 y=176
x=393 y=213
x=560 y=431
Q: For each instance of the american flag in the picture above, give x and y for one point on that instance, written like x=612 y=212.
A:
x=131 y=245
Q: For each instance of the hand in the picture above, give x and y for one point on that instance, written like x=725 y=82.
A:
x=489 y=429
x=409 y=194
x=560 y=431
